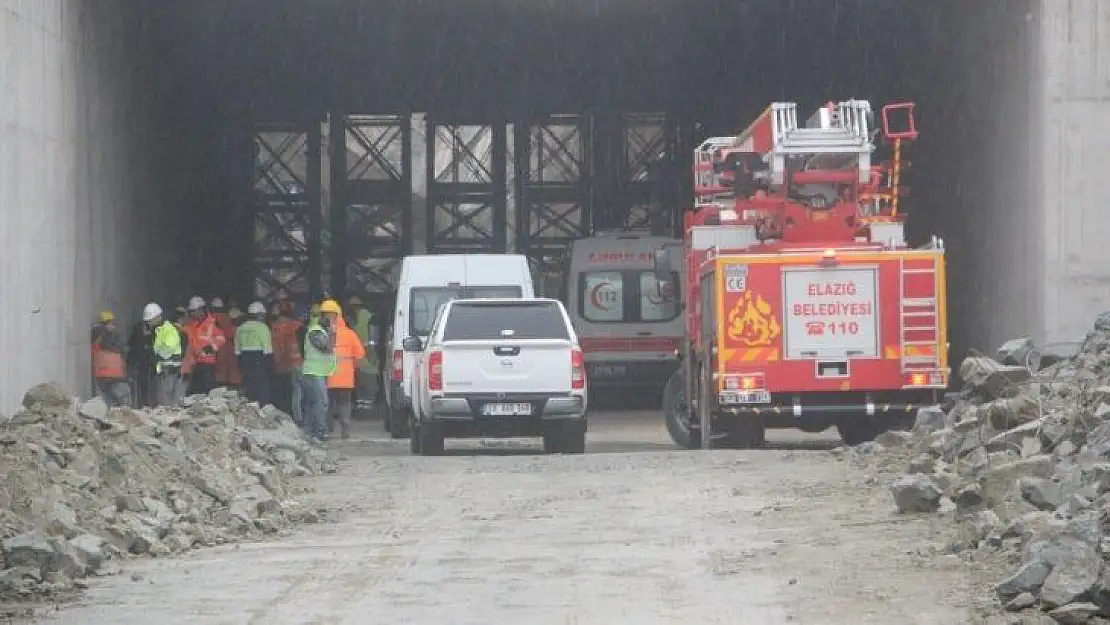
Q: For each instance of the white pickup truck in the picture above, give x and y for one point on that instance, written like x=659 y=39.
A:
x=499 y=368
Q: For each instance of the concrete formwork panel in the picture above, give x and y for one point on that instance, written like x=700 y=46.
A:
x=1073 y=142
x=80 y=218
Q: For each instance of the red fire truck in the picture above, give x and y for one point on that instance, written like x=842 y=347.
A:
x=804 y=305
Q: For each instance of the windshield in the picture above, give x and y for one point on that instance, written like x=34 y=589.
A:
x=425 y=302
x=505 y=321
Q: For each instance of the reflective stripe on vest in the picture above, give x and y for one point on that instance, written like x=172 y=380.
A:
x=316 y=362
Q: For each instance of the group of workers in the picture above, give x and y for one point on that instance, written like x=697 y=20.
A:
x=316 y=367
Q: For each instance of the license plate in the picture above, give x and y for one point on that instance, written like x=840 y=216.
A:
x=746 y=397
x=507 y=410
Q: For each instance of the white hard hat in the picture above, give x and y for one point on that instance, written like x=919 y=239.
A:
x=151 y=311
x=196 y=302
x=217 y=302
x=256 y=308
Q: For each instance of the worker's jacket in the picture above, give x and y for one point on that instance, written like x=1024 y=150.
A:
x=227 y=366
x=253 y=336
x=348 y=351
x=167 y=347
x=205 y=340
x=107 y=356
x=364 y=327
x=287 y=350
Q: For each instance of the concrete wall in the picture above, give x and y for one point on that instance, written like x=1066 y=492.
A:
x=1073 y=141
x=79 y=205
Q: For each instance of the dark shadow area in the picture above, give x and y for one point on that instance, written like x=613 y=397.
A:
x=710 y=65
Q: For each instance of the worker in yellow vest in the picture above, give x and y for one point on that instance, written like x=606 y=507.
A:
x=361 y=321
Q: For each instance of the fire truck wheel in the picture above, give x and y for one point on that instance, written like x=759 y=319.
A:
x=677 y=415
x=858 y=430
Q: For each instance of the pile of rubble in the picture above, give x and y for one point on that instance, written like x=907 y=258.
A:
x=1022 y=461
x=81 y=484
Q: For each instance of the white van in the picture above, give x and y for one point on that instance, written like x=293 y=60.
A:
x=426 y=283
x=630 y=334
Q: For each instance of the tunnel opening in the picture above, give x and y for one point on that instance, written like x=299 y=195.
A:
x=303 y=148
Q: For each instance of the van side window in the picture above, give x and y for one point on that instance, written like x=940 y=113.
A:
x=653 y=306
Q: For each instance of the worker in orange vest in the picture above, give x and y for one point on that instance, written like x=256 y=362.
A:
x=205 y=341
x=341 y=384
x=287 y=357
x=109 y=364
x=227 y=365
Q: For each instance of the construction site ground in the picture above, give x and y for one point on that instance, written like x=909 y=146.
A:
x=633 y=532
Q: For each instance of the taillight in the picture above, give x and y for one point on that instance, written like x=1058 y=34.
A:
x=435 y=371
x=577 y=370
x=398 y=365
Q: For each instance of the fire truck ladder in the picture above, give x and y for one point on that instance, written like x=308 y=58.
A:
x=707 y=183
x=919 y=316
x=842 y=131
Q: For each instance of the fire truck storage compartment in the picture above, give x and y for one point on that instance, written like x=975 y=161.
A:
x=832 y=315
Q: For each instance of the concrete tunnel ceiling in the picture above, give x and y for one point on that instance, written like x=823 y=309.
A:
x=200 y=78
x=714 y=62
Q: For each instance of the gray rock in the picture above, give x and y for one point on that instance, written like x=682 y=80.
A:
x=894 y=439
x=1074 y=613
x=90 y=549
x=46 y=395
x=1102 y=322
x=1020 y=352
x=968 y=499
x=1029 y=578
x=922 y=464
x=1076 y=569
x=129 y=503
x=62 y=521
x=978 y=527
x=31 y=549
x=1010 y=412
x=1014 y=438
x=1072 y=506
x=1053 y=431
x=930 y=418
x=916 y=493
x=19 y=579
x=1042 y=493
x=1021 y=602
x=95 y=409
x=990 y=378
x=997 y=481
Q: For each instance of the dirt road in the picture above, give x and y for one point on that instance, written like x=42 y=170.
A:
x=632 y=533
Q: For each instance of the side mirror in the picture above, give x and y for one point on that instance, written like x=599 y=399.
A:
x=661 y=265
x=412 y=344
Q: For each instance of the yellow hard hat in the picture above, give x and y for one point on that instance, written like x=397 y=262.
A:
x=330 y=306
x=106 y=316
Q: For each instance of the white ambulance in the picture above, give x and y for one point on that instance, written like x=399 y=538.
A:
x=629 y=333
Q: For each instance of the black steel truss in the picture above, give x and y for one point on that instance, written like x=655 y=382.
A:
x=371 y=211
x=286 y=207
x=649 y=151
x=466 y=187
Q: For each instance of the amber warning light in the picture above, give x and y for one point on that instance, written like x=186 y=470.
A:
x=828 y=259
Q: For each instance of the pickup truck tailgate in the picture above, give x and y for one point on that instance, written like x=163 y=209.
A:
x=511 y=366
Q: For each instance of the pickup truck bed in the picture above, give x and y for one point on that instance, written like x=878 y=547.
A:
x=501 y=368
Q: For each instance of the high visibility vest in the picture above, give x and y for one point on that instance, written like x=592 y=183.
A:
x=287 y=354
x=316 y=362
x=348 y=351
x=167 y=346
x=204 y=333
x=364 y=320
x=108 y=365
x=253 y=336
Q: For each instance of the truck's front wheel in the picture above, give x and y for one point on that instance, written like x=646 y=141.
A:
x=676 y=412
